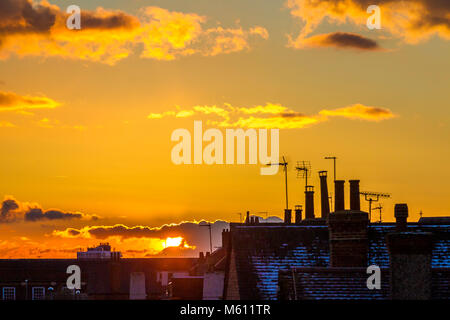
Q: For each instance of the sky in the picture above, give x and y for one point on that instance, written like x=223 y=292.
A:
x=86 y=116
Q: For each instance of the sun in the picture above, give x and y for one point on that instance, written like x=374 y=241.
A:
x=173 y=242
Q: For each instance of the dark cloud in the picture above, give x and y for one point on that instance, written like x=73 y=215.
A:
x=13 y=210
x=8 y=206
x=110 y=20
x=195 y=234
x=24 y=16
x=36 y=214
x=190 y=231
x=292 y=115
x=344 y=40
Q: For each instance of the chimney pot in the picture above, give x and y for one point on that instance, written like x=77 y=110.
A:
x=287 y=216
x=325 y=204
x=339 y=203
x=401 y=216
x=354 y=195
x=309 y=202
x=298 y=214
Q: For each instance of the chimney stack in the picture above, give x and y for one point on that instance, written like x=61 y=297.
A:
x=298 y=214
x=325 y=204
x=354 y=195
x=401 y=216
x=339 y=202
x=410 y=254
x=247 y=220
x=287 y=216
x=309 y=202
x=348 y=234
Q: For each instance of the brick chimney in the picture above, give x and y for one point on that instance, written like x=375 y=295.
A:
x=309 y=202
x=410 y=265
x=325 y=204
x=348 y=238
x=298 y=214
x=401 y=216
x=354 y=195
x=287 y=216
x=339 y=201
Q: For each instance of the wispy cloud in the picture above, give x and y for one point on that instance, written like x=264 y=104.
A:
x=359 y=111
x=108 y=36
x=10 y=101
x=6 y=124
x=273 y=116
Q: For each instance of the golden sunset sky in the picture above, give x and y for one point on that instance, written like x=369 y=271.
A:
x=86 y=115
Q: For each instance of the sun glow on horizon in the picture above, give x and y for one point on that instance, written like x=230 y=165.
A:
x=173 y=242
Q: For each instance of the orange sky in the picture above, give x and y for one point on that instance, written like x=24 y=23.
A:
x=86 y=115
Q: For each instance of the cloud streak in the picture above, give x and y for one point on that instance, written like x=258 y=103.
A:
x=342 y=40
x=272 y=116
x=10 y=101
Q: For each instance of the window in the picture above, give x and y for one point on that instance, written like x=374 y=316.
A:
x=9 y=293
x=38 y=293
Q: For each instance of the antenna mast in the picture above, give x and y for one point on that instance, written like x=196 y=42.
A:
x=373 y=197
x=334 y=164
x=284 y=164
x=380 y=207
x=210 y=236
x=303 y=170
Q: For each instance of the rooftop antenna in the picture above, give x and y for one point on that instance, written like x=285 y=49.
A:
x=284 y=164
x=380 y=207
x=373 y=197
x=334 y=164
x=210 y=237
x=303 y=170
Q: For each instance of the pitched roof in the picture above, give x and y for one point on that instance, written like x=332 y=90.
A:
x=261 y=251
x=264 y=250
x=379 y=254
x=330 y=284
